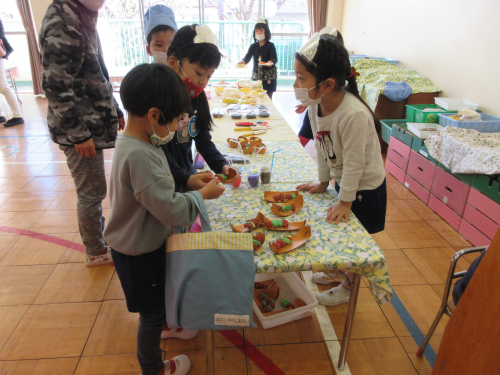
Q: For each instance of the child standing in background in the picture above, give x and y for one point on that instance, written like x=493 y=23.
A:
x=159 y=28
x=263 y=51
x=145 y=205
x=346 y=139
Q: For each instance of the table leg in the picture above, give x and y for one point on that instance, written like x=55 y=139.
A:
x=353 y=299
x=210 y=352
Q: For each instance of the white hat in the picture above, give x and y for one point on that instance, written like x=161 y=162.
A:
x=309 y=49
x=261 y=20
x=205 y=35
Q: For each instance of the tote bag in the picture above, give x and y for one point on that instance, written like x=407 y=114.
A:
x=210 y=278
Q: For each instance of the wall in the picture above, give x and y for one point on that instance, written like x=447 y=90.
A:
x=39 y=7
x=455 y=43
x=335 y=13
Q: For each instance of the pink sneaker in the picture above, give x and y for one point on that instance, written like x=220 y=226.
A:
x=178 y=333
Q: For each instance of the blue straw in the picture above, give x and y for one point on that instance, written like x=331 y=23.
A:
x=272 y=162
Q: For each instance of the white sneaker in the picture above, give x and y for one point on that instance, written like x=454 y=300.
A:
x=182 y=365
x=99 y=260
x=327 y=278
x=179 y=333
x=334 y=296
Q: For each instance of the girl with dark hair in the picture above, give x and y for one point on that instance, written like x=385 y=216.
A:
x=263 y=52
x=194 y=55
x=346 y=139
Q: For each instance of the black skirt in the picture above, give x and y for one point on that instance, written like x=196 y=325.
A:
x=142 y=278
x=370 y=207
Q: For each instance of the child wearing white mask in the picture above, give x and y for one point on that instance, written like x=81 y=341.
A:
x=159 y=28
x=346 y=139
x=263 y=51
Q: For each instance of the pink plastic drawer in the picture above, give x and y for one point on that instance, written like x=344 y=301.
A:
x=395 y=171
x=474 y=236
x=397 y=159
x=484 y=204
x=480 y=221
x=400 y=147
x=421 y=170
x=445 y=212
x=417 y=189
x=450 y=190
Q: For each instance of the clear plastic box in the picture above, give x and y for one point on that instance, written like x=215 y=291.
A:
x=489 y=124
x=455 y=104
x=291 y=287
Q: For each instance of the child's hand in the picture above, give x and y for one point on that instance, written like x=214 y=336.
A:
x=212 y=190
x=314 y=187
x=241 y=63
x=338 y=212
x=300 y=108
x=195 y=181
x=270 y=63
x=226 y=168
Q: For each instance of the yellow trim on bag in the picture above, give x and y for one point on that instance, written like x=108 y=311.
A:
x=210 y=240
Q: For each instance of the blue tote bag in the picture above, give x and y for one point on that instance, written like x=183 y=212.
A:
x=210 y=278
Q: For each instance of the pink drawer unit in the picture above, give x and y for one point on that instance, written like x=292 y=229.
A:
x=397 y=159
x=421 y=170
x=484 y=204
x=393 y=169
x=474 y=236
x=480 y=221
x=445 y=212
x=400 y=147
x=450 y=190
x=417 y=189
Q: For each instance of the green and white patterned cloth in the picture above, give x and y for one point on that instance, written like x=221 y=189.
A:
x=374 y=74
x=346 y=247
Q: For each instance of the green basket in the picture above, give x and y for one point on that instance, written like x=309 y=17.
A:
x=489 y=185
x=415 y=113
x=466 y=178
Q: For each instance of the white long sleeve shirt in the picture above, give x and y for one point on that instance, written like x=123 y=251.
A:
x=348 y=148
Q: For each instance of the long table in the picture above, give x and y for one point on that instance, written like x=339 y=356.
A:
x=346 y=247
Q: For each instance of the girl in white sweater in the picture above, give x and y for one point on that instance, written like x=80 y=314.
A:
x=346 y=140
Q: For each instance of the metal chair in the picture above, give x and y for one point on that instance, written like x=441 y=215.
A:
x=447 y=307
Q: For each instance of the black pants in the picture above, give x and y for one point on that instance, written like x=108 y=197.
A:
x=370 y=207
x=143 y=282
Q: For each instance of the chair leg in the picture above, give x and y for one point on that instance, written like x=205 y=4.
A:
x=421 y=350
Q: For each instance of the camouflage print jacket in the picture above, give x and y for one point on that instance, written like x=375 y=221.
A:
x=75 y=79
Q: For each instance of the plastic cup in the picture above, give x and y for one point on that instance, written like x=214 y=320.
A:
x=265 y=175
x=236 y=183
x=253 y=176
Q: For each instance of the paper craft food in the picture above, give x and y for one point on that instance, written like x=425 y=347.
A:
x=249 y=225
x=282 y=224
x=261 y=148
x=248 y=148
x=230 y=177
x=229 y=101
x=289 y=208
x=280 y=196
x=233 y=143
x=254 y=140
x=258 y=240
x=264 y=114
x=291 y=242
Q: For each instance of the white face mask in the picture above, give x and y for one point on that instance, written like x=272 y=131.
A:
x=260 y=37
x=93 y=5
x=157 y=141
x=302 y=95
x=160 y=57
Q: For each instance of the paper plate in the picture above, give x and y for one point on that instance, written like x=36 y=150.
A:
x=241 y=228
x=269 y=195
x=298 y=202
x=297 y=240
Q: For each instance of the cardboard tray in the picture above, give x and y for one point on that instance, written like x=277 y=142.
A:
x=241 y=228
x=297 y=241
x=231 y=177
x=298 y=202
x=268 y=195
x=291 y=226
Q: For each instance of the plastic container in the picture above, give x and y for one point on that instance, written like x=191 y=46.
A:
x=455 y=104
x=421 y=113
x=386 y=132
x=265 y=175
x=253 y=176
x=489 y=124
x=291 y=287
x=424 y=130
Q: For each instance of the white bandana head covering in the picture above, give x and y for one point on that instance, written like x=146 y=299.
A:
x=261 y=20
x=309 y=49
x=205 y=35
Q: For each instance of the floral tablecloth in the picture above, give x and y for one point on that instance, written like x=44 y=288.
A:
x=346 y=247
x=374 y=74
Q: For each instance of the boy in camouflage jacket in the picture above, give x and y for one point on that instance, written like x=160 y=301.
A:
x=83 y=116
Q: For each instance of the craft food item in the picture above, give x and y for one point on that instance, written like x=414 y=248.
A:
x=236 y=183
x=249 y=225
x=261 y=296
x=297 y=302
x=221 y=177
x=286 y=303
x=290 y=207
x=233 y=143
x=229 y=101
x=282 y=242
x=273 y=290
x=253 y=180
x=276 y=224
x=258 y=240
x=252 y=115
x=264 y=114
x=236 y=115
x=259 y=285
x=252 y=223
x=284 y=197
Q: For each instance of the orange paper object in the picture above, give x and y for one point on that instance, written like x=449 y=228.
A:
x=241 y=228
x=291 y=226
x=298 y=202
x=269 y=195
x=297 y=240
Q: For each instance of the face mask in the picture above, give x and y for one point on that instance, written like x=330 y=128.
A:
x=260 y=37
x=160 y=57
x=302 y=95
x=194 y=90
x=157 y=141
x=93 y=5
